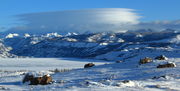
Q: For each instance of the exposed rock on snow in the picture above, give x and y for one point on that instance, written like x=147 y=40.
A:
x=126 y=83
x=119 y=61
x=145 y=60
x=167 y=65
x=161 y=57
x=89 y=65
x=44 y=80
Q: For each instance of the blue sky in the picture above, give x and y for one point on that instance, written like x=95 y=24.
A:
x=150 y=9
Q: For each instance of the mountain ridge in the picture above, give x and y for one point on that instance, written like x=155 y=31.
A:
x=93 y=45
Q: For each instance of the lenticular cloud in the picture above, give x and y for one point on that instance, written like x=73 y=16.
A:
x=93 y=20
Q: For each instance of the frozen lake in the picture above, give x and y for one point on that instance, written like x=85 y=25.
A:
x=45 y=63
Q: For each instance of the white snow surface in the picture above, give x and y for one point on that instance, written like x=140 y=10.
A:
x=125 y=76
x=39 y=64
x=12 y=35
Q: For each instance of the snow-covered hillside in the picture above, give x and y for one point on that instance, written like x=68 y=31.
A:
x=4 y=51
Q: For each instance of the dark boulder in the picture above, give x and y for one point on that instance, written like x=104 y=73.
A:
x=161 y=57
x=167 y=65
x=89 y=65
x=158 y=77
x=119 y=61
x=126 y=81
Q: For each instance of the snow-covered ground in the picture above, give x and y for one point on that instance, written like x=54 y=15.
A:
x=125 y=76
x=12 y=70
x=39 y=64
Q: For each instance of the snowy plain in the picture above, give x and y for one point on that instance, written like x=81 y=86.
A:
x=13 y=69
x=39 y=64
x=105 y=76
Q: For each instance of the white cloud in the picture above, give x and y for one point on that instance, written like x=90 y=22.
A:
x=88 y=20
x=93 y=20
x=160 y=25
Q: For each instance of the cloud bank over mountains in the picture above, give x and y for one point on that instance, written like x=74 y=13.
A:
x=93 y=20
x=160 y=25
x=88 y=20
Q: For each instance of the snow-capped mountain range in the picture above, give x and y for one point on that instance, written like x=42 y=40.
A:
x=108 y=46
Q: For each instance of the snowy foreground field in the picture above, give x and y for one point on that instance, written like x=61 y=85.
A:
x=12 y=69
x=105 y=76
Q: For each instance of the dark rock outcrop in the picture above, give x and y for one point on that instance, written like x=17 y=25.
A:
x=167 y=65
x=161 y=57
x=89 y=65
x=119 y=61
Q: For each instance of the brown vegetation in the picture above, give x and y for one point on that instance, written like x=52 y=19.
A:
x=44 y=80
x=145 y=60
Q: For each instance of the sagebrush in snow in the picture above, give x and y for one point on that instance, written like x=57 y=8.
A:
x=145 y=60
x=44 y=80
